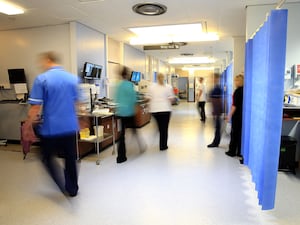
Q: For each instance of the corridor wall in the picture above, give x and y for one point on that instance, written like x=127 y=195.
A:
x=264 y=81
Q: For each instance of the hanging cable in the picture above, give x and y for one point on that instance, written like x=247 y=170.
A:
x=279 y=4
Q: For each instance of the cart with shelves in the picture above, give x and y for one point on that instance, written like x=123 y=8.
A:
x=108 y=122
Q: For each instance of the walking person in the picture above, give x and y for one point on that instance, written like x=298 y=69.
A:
x=201 y=98
x=236 y=117
x=126 y=99
x=55 y=93
x=216 y=97
x=161 y=96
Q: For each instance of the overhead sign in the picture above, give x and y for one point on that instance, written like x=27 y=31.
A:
x=161 y=47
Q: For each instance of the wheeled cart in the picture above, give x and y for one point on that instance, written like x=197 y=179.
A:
x=96 y=138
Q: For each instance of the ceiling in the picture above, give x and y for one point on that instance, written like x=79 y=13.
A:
x=114 y=17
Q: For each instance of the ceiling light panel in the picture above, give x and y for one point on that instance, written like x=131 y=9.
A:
x=171 y=33
x=10 y=8
x=192 y=60
x=197 y=68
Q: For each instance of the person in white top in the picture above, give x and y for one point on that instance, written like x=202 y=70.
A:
x=161 y=96
x=201 y=98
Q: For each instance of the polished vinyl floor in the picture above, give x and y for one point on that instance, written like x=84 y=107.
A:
x=189 y=184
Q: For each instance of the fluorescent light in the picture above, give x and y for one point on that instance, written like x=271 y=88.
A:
x=191 y=60
x=171 y=33
x=197 y=68
x=167 y=30
x=10 y=9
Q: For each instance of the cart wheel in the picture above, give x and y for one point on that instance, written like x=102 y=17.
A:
x=98 y=162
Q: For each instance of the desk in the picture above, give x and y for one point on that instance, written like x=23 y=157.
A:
x=11 y=114
x=142 y=113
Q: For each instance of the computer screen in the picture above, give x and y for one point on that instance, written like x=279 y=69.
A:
x=92 y=71
x=98 y=71
x=16 y=76
x=138 y=77
x=135 y=76
x=87 y=70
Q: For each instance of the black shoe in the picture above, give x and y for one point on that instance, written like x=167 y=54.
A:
x=72 y=194
x=241 y=161
x=212 y=145
x=121 y=160
x=231 y=154
x=163 y=149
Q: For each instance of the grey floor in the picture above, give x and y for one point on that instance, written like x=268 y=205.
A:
x=189 y=184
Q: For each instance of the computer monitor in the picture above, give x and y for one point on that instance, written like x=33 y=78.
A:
x=87 y=70
x=16 y=76
x=92 y=71
x=138 y=77
x=98 y=71
x=135 y=77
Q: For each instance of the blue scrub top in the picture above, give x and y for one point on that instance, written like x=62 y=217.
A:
x=57 y=91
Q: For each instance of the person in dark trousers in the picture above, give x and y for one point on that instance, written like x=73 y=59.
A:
x=126 y=99
x=161 y=97
x=216 y=98
x=201 y=98
x=236 y=116
x=55 y=94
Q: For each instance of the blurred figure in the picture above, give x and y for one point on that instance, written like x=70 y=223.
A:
x=126 y=99
x=235 y=116
x=161 y=97
x=201 y=98
x=55 y=93
x=216 y=97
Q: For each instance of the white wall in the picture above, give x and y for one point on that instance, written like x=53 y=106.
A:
x=19 y=49
x=76 y=43
x=134 y=59
x=115 y=59
x=256 y=15
x=238 y=55
x=89 y=46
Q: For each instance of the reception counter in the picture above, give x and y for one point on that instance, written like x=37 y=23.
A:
x=11 y=115
x=142 y=114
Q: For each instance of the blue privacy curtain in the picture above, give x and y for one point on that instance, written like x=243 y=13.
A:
x=263 y=102
x=229 y=87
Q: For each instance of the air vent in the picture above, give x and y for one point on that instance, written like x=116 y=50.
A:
x=149 y=9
